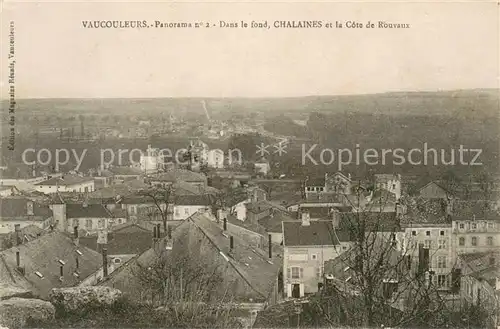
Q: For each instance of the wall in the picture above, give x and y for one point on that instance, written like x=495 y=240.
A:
x=80 y=188
x=183 y=212
x=483 y=229
x=97 y=276
x=82 y=223
x=310 y=278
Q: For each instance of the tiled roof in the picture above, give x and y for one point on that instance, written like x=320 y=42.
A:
x=184 y=188
x=125 y=171
x=17 y=207
x=317 y=212
x=43 y=254
x=419 y=210
x=316 y=181
x=259 y=207
x=66 y=180
x=127 y=240
x=252 y=265
x=273 y=223
x=175 y=175
x=324 y=198
x=318 y=233
x=369 y=221
x=479 y=261
x=193 y=200
x=474 y=209
x=122 y=189
x=254 y=227
x=88 y=211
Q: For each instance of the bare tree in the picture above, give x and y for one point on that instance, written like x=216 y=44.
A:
x=381 y=281
x=162 y=197
x=186 y=290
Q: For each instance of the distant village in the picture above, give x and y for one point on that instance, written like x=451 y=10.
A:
x=279 y=246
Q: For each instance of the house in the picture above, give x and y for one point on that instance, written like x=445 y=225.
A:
x=90 y=217
x=215 y=159
x=102 y=178
x=123 y=174
x=251 y=274
x=21 y=212
x=178 y=175
x=480 y=283
x=124 y=242
x=66 y=183
x=338 y=183
x=6 y=191
x=53 y=260
x=439 y=239
x=22 y=235
x=186 y=205
x=476 y=226
x=307 y=245
x=389 y=182
x=433 y=190
x=199 y=154
x=343 y=274
x=273 y=224
x=152 y=161
x=313 y=186
x=262 y=166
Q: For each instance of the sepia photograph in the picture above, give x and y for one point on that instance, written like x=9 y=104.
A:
x=258 y=164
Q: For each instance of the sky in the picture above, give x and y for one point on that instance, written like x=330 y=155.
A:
x=451 y=45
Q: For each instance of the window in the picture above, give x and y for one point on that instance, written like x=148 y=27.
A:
x=88 y=224
x=318 y=272
x=75 y=222
x=186 y=211
x=177 y=213
x=461 y=241
x=100 y=224
x=462 y=226
x=117 y=260
x=414 y=233
x=119 y=220
x=441 y=233
x=314 y=256
x=427 y=244
x=491 y=225
x=442 y=244
x=473 y=226
x=296 y=272
x=489 y=241
x=474 y=241
x=441 y=262
x=428 y=233
x=86 y=189
x=492 y=261
x=441 y=280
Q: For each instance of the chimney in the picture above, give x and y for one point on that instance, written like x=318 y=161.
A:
x=105 y=262
x=59 y=214
x=75 y=235
x=18 y=259
x=270 y=247
x=423 y=259
x=77 y=261
x=225 y=224
x=61 y=271
x=17 y=235
x=29 y=207
x=306 y=219
x=231 y=243
x=158 y=231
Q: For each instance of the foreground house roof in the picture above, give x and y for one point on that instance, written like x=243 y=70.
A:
x=87 y=211
x=41 y=260
x=256 y=273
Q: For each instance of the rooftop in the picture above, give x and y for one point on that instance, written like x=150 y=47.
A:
x=317 y=233
x=66 y=180
x=87 y=211
x=175 y=175
x=17 y=207
x=127 y=239
x=251 y=265
x=125 y=171
x=43 y=256
x=273 y=222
